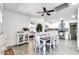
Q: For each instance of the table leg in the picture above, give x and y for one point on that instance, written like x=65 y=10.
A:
x=44 y=48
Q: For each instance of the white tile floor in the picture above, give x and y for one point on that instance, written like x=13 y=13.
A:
x=65 y=47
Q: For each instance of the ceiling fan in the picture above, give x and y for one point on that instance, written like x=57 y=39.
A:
x=58 y=8
x=46 y=11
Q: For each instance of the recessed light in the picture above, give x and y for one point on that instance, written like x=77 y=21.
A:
x=61 y=18
x=73 y=16
x=73 y=3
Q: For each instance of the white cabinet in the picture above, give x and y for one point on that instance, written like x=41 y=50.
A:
x=22 y=37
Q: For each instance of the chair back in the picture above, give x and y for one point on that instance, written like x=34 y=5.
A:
x=37 y=39
x=52 y=38
x=55 y=34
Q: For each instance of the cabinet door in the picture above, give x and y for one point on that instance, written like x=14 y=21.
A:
x=20 y=38
x=26 y=37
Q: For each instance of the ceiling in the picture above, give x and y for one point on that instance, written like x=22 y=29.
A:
x=31 y=9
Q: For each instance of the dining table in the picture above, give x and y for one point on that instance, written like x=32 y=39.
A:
x=44 y=38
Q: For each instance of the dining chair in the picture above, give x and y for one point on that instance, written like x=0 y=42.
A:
x=51 y=42
x=56 y=40
x=69 y=36
x=56 y=36
x=37 y=43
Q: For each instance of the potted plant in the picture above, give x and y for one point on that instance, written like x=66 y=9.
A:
x=39 y=28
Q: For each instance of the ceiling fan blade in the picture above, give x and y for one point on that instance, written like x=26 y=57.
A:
x=48 y=14
x=50 y=10
x=62 y=6
x=44 y=9
x=42 y=15
x=40 y=12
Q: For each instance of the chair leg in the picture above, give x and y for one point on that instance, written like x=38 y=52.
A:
x=39 y=50
x=35 y=49
x=54 y=46
x=50 y=48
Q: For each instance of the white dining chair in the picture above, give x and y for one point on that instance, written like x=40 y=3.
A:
x=54 y=39
x=51 y=42
x=37 y=43
x=56 y=36
x=69 y=36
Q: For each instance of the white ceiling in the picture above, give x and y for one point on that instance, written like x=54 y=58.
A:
x=32 y=9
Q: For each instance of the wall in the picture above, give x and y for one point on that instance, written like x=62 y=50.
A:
x=0 y=21
x=36 y=21
x=78 y=31
x=56 y=23
x=13 y=22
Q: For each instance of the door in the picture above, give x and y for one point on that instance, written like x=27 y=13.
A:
x=73 y=29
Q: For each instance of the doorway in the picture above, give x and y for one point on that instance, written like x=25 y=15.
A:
x=73 y=31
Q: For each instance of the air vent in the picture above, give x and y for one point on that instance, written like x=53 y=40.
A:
x=60 y=7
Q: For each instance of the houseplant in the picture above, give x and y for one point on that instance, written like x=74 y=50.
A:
x=39 y=28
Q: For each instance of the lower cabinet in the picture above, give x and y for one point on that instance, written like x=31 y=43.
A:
x=61 y=35
x=22 y=37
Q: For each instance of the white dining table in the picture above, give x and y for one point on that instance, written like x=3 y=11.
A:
x=45 y=38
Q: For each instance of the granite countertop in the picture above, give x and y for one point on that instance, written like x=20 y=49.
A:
x=22 y=31
x=51 y=29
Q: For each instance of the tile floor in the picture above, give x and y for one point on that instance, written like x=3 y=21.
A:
x=64 y=47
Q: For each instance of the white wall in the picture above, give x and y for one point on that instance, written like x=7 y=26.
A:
x=0 y=21
x=78 y=31
x=0 y=28
x=12 y=23
x=36 y=21
x=56 y=23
